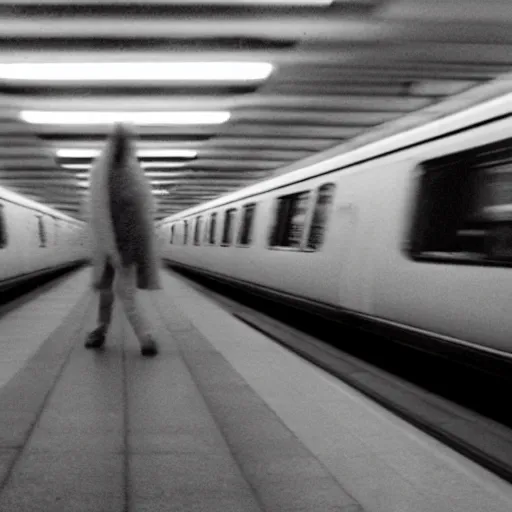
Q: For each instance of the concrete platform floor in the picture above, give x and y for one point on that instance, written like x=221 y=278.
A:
x=223 y=419
x=111 y=431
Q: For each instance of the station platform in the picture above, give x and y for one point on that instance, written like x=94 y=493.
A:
x=223 y=419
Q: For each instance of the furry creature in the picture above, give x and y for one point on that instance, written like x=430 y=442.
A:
x=125 y=252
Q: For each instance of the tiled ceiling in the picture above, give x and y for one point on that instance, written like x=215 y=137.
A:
x=338 y=70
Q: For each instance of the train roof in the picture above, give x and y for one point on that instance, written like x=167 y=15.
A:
x=473 y=106
x=21 y=200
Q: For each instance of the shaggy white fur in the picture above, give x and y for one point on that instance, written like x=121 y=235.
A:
x=125 y=245
x=121 y=211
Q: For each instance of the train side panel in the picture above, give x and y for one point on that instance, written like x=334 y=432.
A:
x=334 y=273
x=366 y=263
x=14 y=258
x=294 y=270
x=305 y=273
x=231 y=259
x=33 y=240
x=338 y=273
x=39 y=239
x=467 y=302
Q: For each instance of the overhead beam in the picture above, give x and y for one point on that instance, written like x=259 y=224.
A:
x=238 y=165
x=205 y=154
x=35 y=174
x=182 y=201
x=36 y=164
x=264 y=130
x=395 y=85
x=56 y=130
x=235 y=154
x=290 y=131
x=183 y=8
x=358 y=102
x=428 y=10
x=220 y=142
x=9 y=151
x=306 y=144
x=219 y=176
x=293 y=27
x=382 y=71
x=62 y=183
x=311 y=117
x=146 y=137
x=447 y=30
x=213 y=182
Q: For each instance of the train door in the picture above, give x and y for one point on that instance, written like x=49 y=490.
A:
x=357 y=221
x=345 y=222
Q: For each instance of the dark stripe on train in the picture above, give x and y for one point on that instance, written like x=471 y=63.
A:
x=471 y=356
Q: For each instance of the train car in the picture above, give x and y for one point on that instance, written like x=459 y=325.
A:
x=36 y=239
x=407 y=230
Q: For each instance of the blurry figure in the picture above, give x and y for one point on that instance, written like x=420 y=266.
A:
x=125 y=251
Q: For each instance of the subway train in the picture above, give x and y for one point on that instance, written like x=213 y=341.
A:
x=37 y=240
x=406 y=230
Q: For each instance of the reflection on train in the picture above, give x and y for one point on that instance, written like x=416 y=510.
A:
x=410 y=232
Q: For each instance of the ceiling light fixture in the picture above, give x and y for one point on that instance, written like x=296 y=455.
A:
x=142 y=153
x=77 y=166
x=153 y=174
x=163 y=165
x=135 y=71
x=167 y=153
x=77 y=153
x=137 y=118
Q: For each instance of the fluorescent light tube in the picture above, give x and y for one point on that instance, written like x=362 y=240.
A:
x=144 y=165
x=142 y=153
x=135 y=71
x=138 y=118
x=169 y=181
x=77 y=166
x=77 y=153
x=162 y=165
x=156 y=174
x=163 y=153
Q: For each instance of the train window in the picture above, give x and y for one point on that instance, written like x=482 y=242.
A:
x=229 y=224
x=171 y=240
x=464 y=207
x=206 y=230
x=3 y=228
x=185 y=232
x=323 y=204
x=41 y=231
x=290 y=220
x=212 y=228
x=245 y=232
x=197 y=231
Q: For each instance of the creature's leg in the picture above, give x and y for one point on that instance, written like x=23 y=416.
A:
x=126 y=288
x=96 y=338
